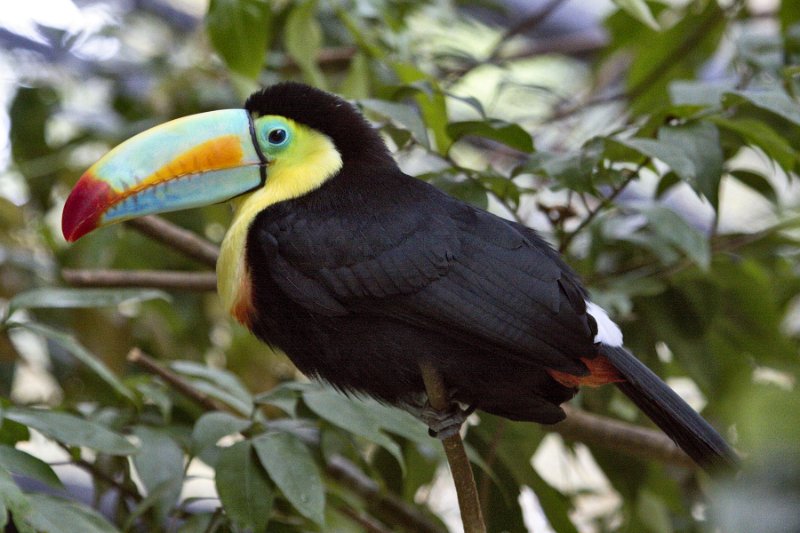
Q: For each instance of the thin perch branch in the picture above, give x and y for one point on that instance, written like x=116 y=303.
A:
x=467 y=492
x=183 y=240
x=156 y=279
x=620 y=436
x=138 y=357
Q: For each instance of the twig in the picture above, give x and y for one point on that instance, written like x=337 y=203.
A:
x=527 y=24
x=138 y=357
x=620 y=436
x=382 y=504
x=567 y=240
x=367 y=523
x=158 y=279
x=471 y=515
x=181 y=239
x=656 y=73
x=92 y=469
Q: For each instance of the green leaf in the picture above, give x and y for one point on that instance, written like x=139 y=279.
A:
x=672 y=228
x=160 y=465
x=59 y=298
x=290 y=465
x=219 y=383
x=72 y=430
x=357 y=82
x=572 y=170
x=757 y=182
x=469 y=190
x=211 y=427
x=243 y=486
x=660 y=57
x=282 y=397
x=667 y=181
x=155 y=499
x=404 y=115
x=81 y=354
x=759 y=134
x=302 y=37
x=773 y=100
x=240 y=31
x=430 y=100
x=25 y=464
x=198 y=523
x=12 y=432
x=692 y=151
x=507 y=133
x=639 y=10
x=351 y=415
x=698 y=93
x=51 y=515
x=13 y=500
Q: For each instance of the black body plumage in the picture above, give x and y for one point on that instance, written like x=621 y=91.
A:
x=360 y=279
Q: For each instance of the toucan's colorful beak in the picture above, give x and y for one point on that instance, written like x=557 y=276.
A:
x=189 y=162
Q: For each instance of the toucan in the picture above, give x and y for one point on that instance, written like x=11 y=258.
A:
x=360 y=273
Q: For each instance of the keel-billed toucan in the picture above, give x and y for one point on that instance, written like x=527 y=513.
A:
x=359 y=272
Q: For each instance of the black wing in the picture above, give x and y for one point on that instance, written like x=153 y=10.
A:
x=426 y=259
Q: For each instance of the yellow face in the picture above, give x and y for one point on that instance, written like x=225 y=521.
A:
x=299 y=160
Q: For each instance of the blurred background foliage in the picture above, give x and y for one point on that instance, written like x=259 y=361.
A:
x=654 y=143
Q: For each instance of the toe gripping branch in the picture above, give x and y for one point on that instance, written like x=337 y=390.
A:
x=444 y=424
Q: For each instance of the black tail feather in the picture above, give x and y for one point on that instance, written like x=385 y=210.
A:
x=663 y=406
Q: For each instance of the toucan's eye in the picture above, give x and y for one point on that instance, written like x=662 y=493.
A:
x=277 y=136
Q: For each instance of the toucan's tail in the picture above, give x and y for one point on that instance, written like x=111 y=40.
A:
x=673 y=415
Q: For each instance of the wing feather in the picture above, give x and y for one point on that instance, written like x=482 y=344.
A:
x=440 y=265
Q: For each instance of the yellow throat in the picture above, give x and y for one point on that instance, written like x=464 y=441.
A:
x=303 y=167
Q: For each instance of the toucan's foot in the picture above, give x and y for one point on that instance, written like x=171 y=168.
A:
x=441 y=424
x=444 y=424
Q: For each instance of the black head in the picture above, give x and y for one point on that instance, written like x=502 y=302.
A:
x=353 y=136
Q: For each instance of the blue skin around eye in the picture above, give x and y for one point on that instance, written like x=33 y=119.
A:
x=271 y=126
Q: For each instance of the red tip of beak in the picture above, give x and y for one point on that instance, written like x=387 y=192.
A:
x=85 y=205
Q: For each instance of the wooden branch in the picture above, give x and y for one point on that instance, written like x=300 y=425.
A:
x=379 y=503
x=156 y=279
x=606 y=201
x=527 y=24
x=181 y=239
x=139 y=358
x=467 y=492
x=620 y=436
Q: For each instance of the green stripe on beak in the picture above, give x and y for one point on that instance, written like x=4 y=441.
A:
x=189 y=162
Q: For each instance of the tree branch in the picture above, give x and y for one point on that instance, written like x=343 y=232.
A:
x=616 y=191
x=471 y=515
x=138 y=357
x=379 y=503
x=157 y=279
x=181 y=239
x=620 y=436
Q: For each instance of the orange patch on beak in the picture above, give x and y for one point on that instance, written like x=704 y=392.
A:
x=215 y=154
